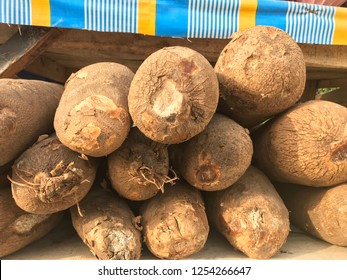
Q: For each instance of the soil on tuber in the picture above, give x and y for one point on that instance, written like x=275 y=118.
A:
x=27 y=109
x=19 y=228
x=174 y=223
x=321 y=212
x=173 y=95
x=261 y=73
x=49 y=177
x=306 y=145
x=140 y=167
x=216 y=158
x=250 y=214
x=107 y=226
x=93 y=116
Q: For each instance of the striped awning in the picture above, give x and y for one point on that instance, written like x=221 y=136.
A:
x=306 y=23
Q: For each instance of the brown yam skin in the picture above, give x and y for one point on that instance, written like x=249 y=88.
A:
x=251 y=215
x=92 y=117
x=261 y=72
x=321 y=212
x=27 y=110
x=217 y=157
x=174 y=223
x=19 y=228
x=307 y=145
x=49 y=177
x=107 y=226
x=173 y=95
x=139 y=168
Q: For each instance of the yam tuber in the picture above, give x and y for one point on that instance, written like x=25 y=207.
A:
x=49 y=177
x=107 y=226
x=139 y=168
x=261 y=72
x=174 y=223
x=306 y=145
x=216 y=158
x=93 y=116
x=173 y=95
x=27 y=110
x=250 y=214
x=321 y=212
x=19 y=228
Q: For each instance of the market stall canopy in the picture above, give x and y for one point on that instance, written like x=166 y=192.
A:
x=306 y=23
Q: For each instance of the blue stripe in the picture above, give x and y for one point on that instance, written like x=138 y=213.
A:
x=312 y=26
x=266 y=15
x=332 y=20
x=172 y=18
x=306 y=23
x=27 y=8
x=120 y=16
x=67 y=13
x=111 y=15
x=3 y=12
x=9 y=3
x=320 y=26
x=309 y=23
x=15 y=12
x=27 y=16
x=212 y=18
x=331 y=25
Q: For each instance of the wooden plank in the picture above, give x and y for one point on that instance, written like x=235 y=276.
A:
x=24 y=47
x=78 y=60
x=333 y=83
x=137 y=47
x=339 y=95
x=309 y=91
x=128 y=46
x=48 y=68
x=6 y=32
x=78 y=48
x=313 y=74
x=325 y=56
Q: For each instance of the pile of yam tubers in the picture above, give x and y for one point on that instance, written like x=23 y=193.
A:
x=159 y=157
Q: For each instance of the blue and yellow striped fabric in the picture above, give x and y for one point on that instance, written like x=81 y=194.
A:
x=306 y=23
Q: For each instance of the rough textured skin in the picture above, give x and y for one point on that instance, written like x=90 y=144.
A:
x=107 y=226
x=251 y=215
x=321 y=212
x=19 y=228
x=27 y=110
x=49 y=177
x=306 y=145
x=217 y=157
x=173 y=95
x=92 y=117
x=174 y=223
x=139 y=168
x=261 y=73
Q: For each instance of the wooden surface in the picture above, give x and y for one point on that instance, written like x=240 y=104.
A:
x=23 y=48
x=323 y=57
x=6 y=32
x=64 y=244
x=338 y=95
x=77 y=48
x=50 y=69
